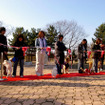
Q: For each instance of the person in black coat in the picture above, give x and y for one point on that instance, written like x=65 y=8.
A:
x=4 y=49
x=3 y=40
x=19 y=56
x=82 y=50
x=97 y=53
x=102 y=58
x=59 y=53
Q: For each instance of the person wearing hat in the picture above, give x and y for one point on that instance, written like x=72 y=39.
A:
x=82 y=50
x=59 y=53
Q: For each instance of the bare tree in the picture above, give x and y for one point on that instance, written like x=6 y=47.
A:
x=89 y=46
x=72 y=32
x=9 y=29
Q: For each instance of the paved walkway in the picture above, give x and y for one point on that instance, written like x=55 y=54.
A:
x=65 y=91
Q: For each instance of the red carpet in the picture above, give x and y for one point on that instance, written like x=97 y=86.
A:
x=48 y=76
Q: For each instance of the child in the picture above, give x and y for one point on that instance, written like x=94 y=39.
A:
x=19 y=55
x=66 y=65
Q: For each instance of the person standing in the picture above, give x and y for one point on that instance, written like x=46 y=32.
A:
x=19 y=55
x=41 y=45
x=59 y=53
x=86 y=52
x=97 y=53
x=102 y=57
x=4 y=49
x=82 y=50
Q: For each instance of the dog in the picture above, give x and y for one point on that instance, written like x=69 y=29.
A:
x=99 y=66
x=65 y=67
x=81 y=70
x=8 y=65
x=54 y=72
x=92 y=68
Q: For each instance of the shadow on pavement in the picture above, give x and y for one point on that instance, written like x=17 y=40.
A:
x=54 y=82
x=28 y=101
x=86 y=78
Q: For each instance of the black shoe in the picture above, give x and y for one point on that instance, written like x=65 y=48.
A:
x=21 y=76
x=80 y=71
x=13 y=76
x=60 y=73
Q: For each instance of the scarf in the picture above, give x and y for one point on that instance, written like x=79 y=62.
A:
x=42 y=43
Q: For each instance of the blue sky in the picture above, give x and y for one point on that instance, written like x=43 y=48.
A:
x=38 y=13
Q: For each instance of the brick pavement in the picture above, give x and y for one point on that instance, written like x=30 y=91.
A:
x=65 y=91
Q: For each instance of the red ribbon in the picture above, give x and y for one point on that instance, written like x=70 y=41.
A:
x=102 y=53
x=89 y=53
x=69 y=51
x=48 y=49
x=24 y=49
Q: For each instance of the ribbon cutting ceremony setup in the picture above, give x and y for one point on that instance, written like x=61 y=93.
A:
x=52 y=52
x=46 y=76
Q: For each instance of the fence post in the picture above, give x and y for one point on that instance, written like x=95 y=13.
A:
x=71 y=59
x=1 y=79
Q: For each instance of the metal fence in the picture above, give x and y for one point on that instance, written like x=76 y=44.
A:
x=30 y=55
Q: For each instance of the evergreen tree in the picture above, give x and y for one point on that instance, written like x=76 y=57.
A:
x=29 y=36
x=51 y=36
x=100 y=33
x=15 y=35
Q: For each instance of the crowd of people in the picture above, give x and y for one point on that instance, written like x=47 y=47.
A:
x=18 y=56
x=98 y=56
x=41 y=44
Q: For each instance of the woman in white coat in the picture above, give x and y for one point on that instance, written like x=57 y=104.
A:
x=41 y=45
